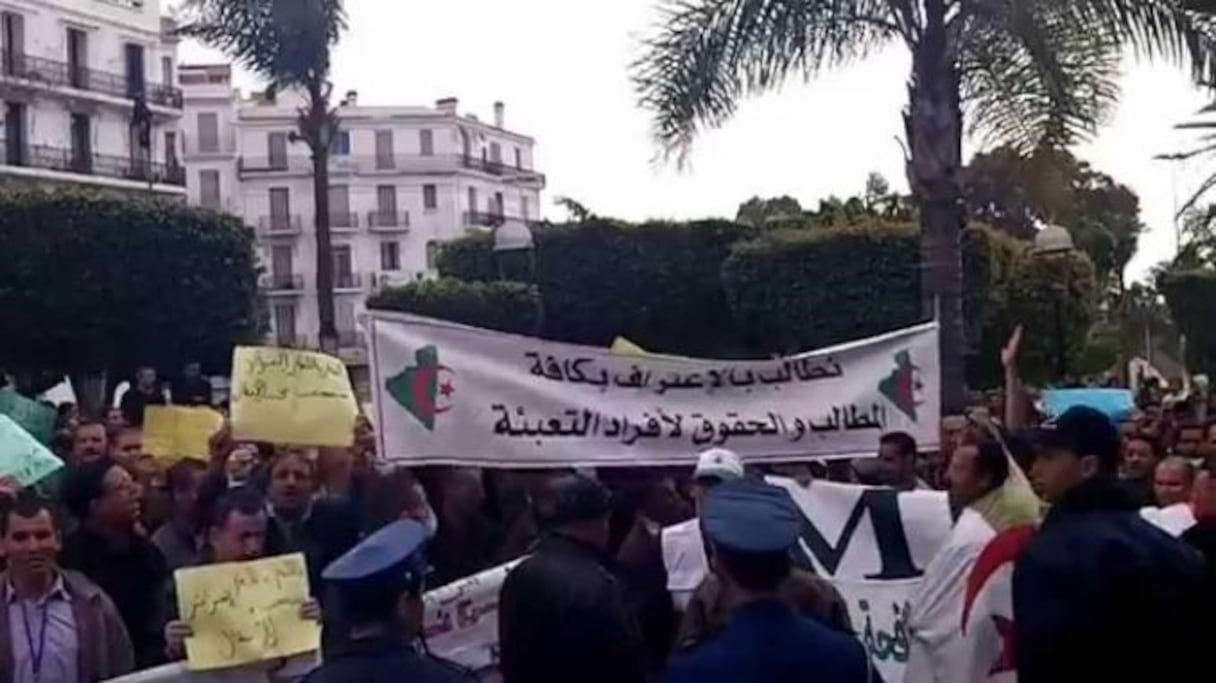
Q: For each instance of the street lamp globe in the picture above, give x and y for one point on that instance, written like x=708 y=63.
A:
x=513 y=235
x=1053 y=239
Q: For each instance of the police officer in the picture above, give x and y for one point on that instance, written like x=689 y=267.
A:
x=751 y=527
x=379 y=586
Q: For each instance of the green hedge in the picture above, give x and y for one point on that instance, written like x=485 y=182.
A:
x=93 y=283
x=1191 y=295
x=503 y=306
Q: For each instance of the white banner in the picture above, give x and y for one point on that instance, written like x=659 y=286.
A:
x=450 y=394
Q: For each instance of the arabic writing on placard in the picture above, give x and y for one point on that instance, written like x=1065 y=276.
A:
x=585 y=371
x=293 y=397
x=22 y=457
x=699 y=429
x=883 y=645
x=245 y=612
x=461 y=622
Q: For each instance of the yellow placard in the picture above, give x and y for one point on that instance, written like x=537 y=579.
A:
x=291 y=397
x=174 y=432
x=245 y=612
x=623 y=347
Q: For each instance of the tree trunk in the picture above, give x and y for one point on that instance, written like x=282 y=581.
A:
x=316 y=133
x=934 y=126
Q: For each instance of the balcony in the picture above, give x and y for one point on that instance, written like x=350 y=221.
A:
x=390 y=166
x=50 y=72
x=384 y=221
x=282 y=283
x=350 y=339
x=510 y=174
x=482 y=219
x=280 y=225
x=87 y=163
x=348 y=281
x=343 y=222
x=223 y=145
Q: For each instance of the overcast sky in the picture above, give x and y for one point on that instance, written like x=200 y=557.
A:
x=561 y=67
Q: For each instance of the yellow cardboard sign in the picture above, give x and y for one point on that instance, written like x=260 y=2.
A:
x=623 y=347
x=174 y=432
x=245 y=612
x=291 y=397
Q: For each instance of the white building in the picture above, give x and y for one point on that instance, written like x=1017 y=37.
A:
x=76 y=78
x=402 y=180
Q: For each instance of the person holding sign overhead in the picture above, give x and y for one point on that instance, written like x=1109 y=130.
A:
x=379 y=585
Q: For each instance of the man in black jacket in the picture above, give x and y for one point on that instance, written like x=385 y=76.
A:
x=562 y=614
x=1100 y=594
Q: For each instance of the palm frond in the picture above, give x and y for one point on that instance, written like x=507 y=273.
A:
x=1178 y=31
x=707 y=54
x=287 y=42
x=1033 y=76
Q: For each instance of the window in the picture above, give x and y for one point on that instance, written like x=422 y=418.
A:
x=166 y=71
x=171 y=149
x=280 y=208
x=285 y=324
x=426 y=142
x=498 y=208
x=386 y=205
x=430 y=197
x=82 y=146
x=341 y=144
x=343 y=271
x=473 y=199
x=14 y=133
x=390 y=256
x=276 y=150
x=344 y=320
x=78 y=58
x=281 y=265
x=209 y=189
x=384 y=150
x=14 y=42
x=519 y=158
x=136 y=79
x=432 y=254
x=339 y=207
x=495 y=153
x=523 y=207
x=209 y=133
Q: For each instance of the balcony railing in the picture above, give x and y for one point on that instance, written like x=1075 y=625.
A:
x=483 y=219
x=85 y=162
x=348 y=280
x=57 y=73
x=349 y=339
x=343 y=221
x=224 y=144
x=394 y=165
x=283 y=282
x=384 y=221
x=280 y=224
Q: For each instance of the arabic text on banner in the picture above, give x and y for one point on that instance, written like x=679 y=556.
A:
x=450 y=394
x=291 y=397
x=172 y=432
x=23 y=457
x=245 y=612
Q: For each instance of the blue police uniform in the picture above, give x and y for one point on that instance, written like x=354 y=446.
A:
x=765 y=641
x=388 y=563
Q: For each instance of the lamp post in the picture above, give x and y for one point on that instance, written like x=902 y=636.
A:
x=515 y=237
x=1053 y=241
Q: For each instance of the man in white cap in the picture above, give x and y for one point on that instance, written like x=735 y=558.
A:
x=683 y=550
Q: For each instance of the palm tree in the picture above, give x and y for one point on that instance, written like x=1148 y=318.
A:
x=288 y=44
x=1027 y=72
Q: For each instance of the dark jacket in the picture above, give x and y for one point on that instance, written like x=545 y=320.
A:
x=1202 y=537
x=132 y=577
x=562 y=618
x=134 y=401
x=382 y=660
x=328 y=530
x=103 y=647
x=766 y=642
x=192 y=392
x=1099 y=593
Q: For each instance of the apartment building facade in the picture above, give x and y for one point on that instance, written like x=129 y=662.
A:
x=90 y=96
x=402 y=181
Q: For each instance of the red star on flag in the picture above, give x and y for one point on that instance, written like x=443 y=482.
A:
x=446 y=389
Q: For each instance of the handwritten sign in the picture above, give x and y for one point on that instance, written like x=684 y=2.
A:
x=291 y=397
x=23 y=457
x=245 y=612
x=173 y=432
x=35 y=418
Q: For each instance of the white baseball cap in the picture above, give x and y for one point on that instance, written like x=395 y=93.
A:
x=719 y=463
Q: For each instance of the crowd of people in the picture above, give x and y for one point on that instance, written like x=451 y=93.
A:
x=89 y=552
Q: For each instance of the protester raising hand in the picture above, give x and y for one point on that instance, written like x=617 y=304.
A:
x=1015 y=401
x=1011 y=350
